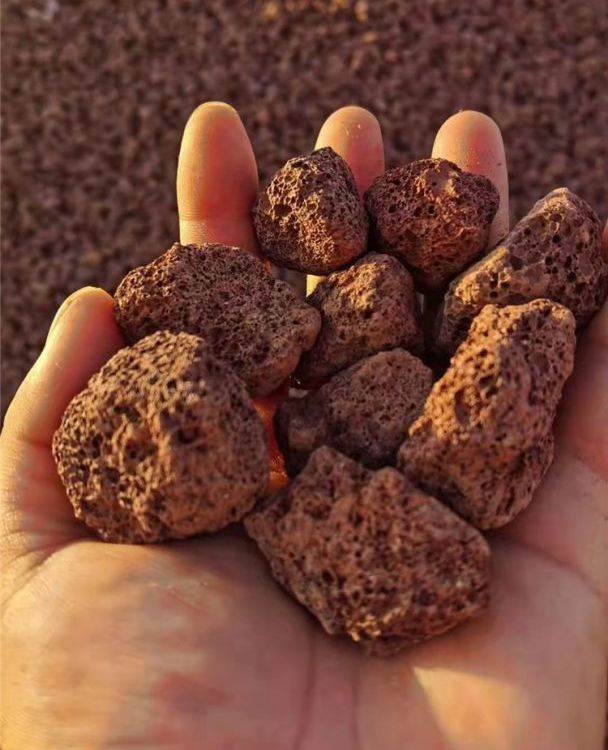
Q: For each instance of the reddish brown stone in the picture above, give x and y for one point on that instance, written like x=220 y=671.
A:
x=310 y=217
x=363 y=411
x=433 y=216
x=366 y=308
x=554 y=252
x=163 y=443
x=370 y=555
x=224 y=295
x=483 y=441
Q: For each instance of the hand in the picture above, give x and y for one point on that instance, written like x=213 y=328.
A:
x=192 y=644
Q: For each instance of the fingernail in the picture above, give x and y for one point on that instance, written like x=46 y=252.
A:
x=68 y=302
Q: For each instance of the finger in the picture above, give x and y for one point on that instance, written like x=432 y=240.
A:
x=354 y=133
x=473 y=141
x=217 y=179
x=83 y=336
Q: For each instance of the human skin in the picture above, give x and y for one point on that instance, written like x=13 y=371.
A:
x=192 y=644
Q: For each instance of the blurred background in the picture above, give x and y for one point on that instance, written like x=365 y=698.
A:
x=95 y=95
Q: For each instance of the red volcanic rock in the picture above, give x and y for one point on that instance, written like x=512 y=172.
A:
x=366 y=308
x=223 y=294
x=363 y=411
x=484 y=439
x=310 y=217
x=554 y=252
x=433 y=216
x=370 y=555
x=163 y=443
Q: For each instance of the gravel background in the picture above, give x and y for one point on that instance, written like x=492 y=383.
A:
x=95 y=95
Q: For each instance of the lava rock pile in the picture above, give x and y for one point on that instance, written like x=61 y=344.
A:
x=388 y=479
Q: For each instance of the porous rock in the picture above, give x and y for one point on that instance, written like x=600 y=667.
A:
x=433 y=216
x=163 y=443
x=483 y=441
x=223 y=294
x=363 y=411
x=370 y=555
x=554 y=252
x=367 y=308
x=310 y=217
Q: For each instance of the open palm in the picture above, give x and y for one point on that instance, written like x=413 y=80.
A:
x=192 y=644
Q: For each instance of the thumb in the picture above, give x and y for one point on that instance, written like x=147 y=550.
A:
x=35 y=515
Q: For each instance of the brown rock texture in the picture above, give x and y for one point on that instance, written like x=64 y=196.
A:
x=367 y=308
x=363 y=411
x=483 y=441
x=310 y=217
x=433 y=216
x=554 y=252
x=223 y=294
x=163 y=443
x=370 y=555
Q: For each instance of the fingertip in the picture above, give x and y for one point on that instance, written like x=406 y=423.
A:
x=351 y=114
x=468 y=120
x=355 y=134
x=92 y=295
x=474 y=142
x=217 y=179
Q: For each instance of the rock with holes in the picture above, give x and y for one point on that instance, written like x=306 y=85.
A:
x=310 y=217
x=367 y=308
x=363 y=411
x=370 y=555
x=554 y=252
x=223 y=294
x=433 y=216
x=163 y=443
x=484 y=439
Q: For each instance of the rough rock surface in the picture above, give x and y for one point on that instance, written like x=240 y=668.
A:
x=366 y=308
x=433 y=216
x=163 y=443
x=554 y=252
x=223 y=294
x=370 y=555
x=483 y=441
x=363 y=411
x=310 y=217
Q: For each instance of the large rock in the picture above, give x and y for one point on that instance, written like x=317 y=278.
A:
x=554 y=252
x=370 y=555
x=484 y=439
x=224 y=295
x=163 y=443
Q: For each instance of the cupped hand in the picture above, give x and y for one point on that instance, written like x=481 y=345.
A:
x=192 y=645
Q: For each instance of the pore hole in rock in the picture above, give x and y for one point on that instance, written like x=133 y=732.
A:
x=281 y=210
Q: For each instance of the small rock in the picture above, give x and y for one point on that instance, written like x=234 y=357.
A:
x=367 y=308
x=433 y=216
x=310 y=217
x=370 y=555
x=363 y=411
